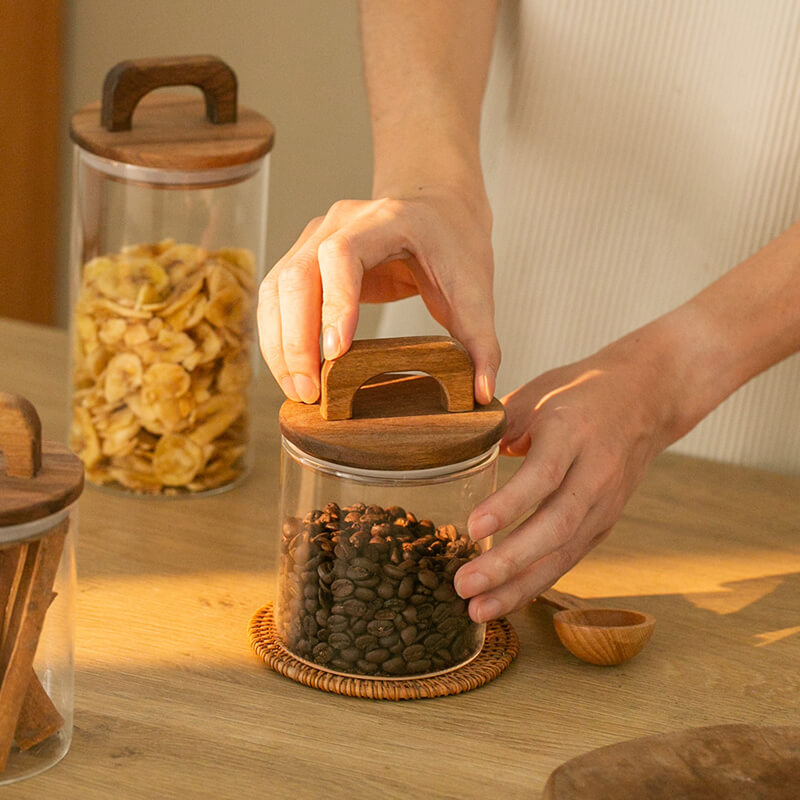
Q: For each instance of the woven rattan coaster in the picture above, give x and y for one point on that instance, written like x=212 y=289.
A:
x=499 y=650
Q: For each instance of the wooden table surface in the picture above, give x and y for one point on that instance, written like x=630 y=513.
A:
x=171 y=702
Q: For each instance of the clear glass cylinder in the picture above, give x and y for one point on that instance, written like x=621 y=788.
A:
x=165 y=267
x=43 y=726
x=367 y=559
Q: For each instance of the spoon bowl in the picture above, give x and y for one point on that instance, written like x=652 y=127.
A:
x=602 y=636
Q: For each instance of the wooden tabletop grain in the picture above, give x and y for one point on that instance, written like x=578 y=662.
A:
x=171 y=702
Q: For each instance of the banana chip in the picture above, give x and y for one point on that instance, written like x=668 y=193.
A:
x=177 y=459
x=161 y=346
x=123 y=374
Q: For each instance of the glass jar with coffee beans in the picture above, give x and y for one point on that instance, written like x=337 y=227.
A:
x=376 y=488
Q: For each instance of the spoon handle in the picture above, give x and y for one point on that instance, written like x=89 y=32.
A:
x=562 y=601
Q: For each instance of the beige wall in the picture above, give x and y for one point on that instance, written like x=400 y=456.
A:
x=298 y=63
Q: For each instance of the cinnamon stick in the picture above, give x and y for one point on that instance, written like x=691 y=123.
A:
x=32 y=593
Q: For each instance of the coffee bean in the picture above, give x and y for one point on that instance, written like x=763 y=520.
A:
x=337 y=623
x=339 y=640
x=366 y=642
x=414 y=652
x=406 y=587
x=366 y=667
x=377 y=655
x=410 y=614
x=409 y=634
x=394 y=666
x=364 y=593
x=380 y=627
x=433 y=641
x=395 y=603
x=342 y=588
x=415 y=667
x=310 y=626
x=357 y=573
x=322 y=653
x=340 y=664
x=441 y=612
x=445 y=593
x=350 y=654
x=390 y=640
x=385 y=589
x=355 y=608
x=427 y=578
x=394 y=572
x=358 y=627
x=424 y=611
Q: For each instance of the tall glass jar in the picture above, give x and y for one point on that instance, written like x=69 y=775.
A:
x=168 y=245
x=374 y=509
x=38 y=525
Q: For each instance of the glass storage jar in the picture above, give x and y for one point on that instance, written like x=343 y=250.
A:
x=168 y=239
x=376 y=488
x=39 y=485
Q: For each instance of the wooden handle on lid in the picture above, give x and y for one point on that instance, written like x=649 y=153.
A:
x=129 y=81
x=442 y=358
x=20 y=436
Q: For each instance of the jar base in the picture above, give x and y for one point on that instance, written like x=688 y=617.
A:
x=24 y=764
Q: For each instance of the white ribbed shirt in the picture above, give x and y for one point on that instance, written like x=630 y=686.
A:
x=634 y=151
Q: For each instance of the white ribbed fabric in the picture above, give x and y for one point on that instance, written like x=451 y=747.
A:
x=635 y=150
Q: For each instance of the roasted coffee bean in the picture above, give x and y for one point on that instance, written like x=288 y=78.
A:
x=433 y=641
x=394 y=666
x=338 y=608
x=385 y=589
x=366 y=642
x=357 y=573
x=339 y=640
x=310 y=626
x=395 y=603
x=445 y=593
x=392 y=571
x=322 y=653
x=321 y=617
x=366 y=667
x=355 y=608
x=364 y=593
x=415 y=667
x=370 y=583
x=409 y=634
x=385 y=613
x=345 y=550
x=427 y=578
x=424 y=611
x=350 y=654
x=340 y=664
x=410 y=614
x=380 y=627
x=339 y=569
x=414 y=652
x=358 y=627
x=406 y=587
x=338 y=622
x=390 y=640
x=310 y=605
x=377 y=655
x=342 y=587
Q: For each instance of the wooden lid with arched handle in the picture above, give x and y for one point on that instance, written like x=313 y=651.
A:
x=172 y=131
x=374 y=415
x=37 y=478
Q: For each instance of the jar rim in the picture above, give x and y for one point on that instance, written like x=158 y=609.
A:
x=21 y=531
x=408 y=477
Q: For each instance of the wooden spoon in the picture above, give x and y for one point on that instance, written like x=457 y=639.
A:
x=603 y=636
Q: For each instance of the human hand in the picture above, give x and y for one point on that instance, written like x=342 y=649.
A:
x=588 y=432
x=431 y=240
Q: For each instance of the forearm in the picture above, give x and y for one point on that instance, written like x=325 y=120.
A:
x=737 y=327
x=425 y=64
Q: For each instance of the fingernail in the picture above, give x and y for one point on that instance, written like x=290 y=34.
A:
x=488 y=609
x=330 y=342
x=486 y=389
x=306 y=388
x=471 y=584
x=287 y=386
x=482 y=527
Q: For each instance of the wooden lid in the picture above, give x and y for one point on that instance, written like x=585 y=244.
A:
x=396 y=421
x=170 y=130
x=37 y=478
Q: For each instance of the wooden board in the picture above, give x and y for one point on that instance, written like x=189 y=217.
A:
x=724 y=762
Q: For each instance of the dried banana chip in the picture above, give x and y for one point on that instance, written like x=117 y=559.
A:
x=112 y=330
x=177 y=459
x=171 y=346
x=215 y=416
x=164 y=380
x=123 y=376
